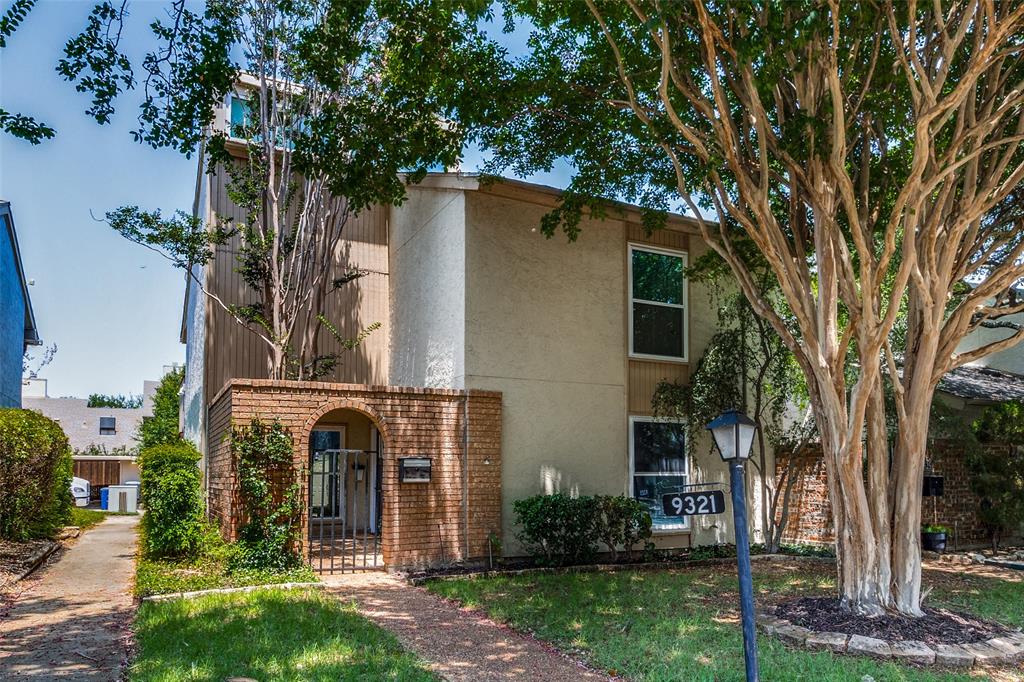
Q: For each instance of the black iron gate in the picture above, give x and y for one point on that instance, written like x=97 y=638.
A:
x=344 y=510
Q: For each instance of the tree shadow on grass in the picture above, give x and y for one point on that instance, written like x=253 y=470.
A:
x=668 y=625
x=268 y=635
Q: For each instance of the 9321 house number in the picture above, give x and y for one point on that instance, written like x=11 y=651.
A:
x=694 y=504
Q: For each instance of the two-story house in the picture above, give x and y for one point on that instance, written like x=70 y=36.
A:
x=506 y=365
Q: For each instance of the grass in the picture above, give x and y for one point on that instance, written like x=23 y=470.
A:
x=270 y=635
x=86 y=518
x=683 y=624
x=208 y=571
x=162 y=576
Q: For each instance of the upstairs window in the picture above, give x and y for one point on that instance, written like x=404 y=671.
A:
x=658 y=466
x=657 y=297
x=239 y=114
x=108 y=426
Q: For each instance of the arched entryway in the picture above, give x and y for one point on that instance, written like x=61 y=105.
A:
x=344 y=458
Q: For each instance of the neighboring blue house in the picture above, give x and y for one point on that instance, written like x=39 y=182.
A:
x=17 y=323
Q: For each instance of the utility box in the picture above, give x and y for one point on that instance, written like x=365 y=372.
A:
x=123 y=498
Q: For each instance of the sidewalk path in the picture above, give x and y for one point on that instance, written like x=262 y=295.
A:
x=71 y=622
x=458 y=644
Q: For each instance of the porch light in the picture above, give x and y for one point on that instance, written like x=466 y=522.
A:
x=734 y=435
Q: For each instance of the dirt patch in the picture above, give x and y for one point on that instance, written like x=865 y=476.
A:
x=937 y=626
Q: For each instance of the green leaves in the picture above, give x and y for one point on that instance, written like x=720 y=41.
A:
x=182 y=238
x=172 y=495
x=20 y=125
x=162 y=427
x=35 y=475
x=270 y=494
x=25 y=127
x=189 y=74
x=13 y=17
x=92 y=60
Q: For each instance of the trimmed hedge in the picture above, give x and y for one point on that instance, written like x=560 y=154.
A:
x=561 y=530
x=172 y=495
x=35 y=475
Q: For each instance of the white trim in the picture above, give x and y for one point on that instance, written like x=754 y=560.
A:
x=633 y=419
x=685 y=305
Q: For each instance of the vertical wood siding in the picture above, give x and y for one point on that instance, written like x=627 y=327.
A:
x=235 y=352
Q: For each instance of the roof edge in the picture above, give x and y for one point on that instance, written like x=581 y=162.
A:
x=31 y=330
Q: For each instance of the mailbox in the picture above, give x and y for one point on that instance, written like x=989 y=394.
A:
x=414 y=469
x=933 y=486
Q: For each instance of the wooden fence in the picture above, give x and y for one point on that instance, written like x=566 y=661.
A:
x=99 y=472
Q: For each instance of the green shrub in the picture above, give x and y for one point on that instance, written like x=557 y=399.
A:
x=270 y=493
x=996 y=472
x=35 y=475
x=622 y=521
x=162 y=427
x=558 y=529
x=172 y=495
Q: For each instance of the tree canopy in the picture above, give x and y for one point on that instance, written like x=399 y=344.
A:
x=869 y=153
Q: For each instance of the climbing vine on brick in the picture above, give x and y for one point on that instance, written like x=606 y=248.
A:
x=271 y=496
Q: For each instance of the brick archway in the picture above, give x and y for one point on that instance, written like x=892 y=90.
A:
x=345 y=404
x=423 y=523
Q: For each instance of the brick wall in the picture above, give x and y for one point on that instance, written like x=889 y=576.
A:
x=449 y=517
x=810 y=514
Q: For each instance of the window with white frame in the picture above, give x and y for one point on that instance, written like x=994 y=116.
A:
x=658 y=465
x=657 y=297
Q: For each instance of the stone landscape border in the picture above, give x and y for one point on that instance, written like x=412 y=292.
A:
x=230 y=590
x=997 y=650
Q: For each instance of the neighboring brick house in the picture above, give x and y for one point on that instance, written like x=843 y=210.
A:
x=968 y=390
x=519 y=364
x=17 y=322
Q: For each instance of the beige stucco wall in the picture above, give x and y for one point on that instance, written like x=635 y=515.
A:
x=544 y=325
x=543 y=321
x=1009 y=360
x=428 y=289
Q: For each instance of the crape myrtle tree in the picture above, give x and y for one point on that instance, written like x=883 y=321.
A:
x=870 y=151
x=340 y=97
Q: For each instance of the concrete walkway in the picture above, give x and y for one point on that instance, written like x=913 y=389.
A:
x=458 y=644
x=71 y=622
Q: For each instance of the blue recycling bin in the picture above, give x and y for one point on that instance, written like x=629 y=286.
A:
x=104 y=496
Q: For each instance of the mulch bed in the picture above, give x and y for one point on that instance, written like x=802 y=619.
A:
x=937 y=626
x=14 y=558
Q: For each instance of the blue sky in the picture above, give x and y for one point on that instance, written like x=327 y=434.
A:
x=112 y=307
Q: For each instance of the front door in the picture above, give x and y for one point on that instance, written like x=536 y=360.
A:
x=326 y=481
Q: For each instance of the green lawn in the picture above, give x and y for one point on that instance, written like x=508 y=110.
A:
x=269 y=635
x=86 y=518
x=161 y=576
x=683 y=624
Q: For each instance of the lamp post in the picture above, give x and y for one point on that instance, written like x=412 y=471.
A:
x=734 y=435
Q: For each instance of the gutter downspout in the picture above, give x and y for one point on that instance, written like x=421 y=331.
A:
x=465 y=472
